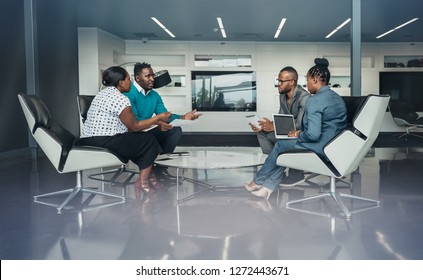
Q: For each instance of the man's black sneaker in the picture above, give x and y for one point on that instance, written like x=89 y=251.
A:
x=292 y=180
x=164 y=175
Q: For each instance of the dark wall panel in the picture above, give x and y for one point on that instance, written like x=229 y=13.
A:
x=13 y=129
x=57 y=69
x=58 y=60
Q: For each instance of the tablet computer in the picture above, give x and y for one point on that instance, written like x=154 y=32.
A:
x=253 y=120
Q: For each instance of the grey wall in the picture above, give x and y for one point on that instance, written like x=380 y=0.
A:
x=57 y=72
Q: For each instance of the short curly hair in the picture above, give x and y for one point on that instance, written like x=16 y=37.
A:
x=139 y=66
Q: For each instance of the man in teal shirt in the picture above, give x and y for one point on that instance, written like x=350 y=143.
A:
x=146 y=102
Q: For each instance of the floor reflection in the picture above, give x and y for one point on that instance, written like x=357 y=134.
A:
x=227 y=224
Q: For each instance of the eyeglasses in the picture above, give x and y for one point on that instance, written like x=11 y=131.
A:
x=283 y=81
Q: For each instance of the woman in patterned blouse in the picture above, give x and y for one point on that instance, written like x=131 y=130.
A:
x=111 y=124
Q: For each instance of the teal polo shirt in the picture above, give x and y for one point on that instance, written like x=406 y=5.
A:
x=145 y=106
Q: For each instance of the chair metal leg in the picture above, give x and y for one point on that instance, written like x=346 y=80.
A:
x=308 y=178
x=116 y=175
x=415 y=135
x=314 y=197
x=73 y=192
x=338 y=198
x=341 y=204
x=407 y=133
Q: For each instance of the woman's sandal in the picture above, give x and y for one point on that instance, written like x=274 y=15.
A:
x=142 y=185
x=251 y=187
x=154 y=182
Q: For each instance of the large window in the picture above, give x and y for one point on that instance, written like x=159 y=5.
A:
x=224 y=91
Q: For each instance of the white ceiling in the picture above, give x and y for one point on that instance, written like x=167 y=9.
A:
x=252 y=20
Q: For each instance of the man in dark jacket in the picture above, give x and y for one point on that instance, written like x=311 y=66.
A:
x=292 y=99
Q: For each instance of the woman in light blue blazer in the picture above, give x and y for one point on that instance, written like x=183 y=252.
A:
x=325 y=116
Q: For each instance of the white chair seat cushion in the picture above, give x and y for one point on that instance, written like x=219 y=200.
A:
x=307 y=161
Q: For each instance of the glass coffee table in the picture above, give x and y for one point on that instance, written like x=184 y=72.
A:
x=207 y=160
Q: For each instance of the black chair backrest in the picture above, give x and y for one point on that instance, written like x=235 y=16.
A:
x=84 y=103
x=402 y=110
x=353 y=103
x=43 y=120
x=38 y=110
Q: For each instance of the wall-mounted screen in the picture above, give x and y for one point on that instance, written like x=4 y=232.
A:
x=403 y=86
x=224 y=91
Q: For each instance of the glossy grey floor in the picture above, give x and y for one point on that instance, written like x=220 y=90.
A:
x=223 y=224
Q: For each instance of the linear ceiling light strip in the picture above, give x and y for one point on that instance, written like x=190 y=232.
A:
x=163 y=27
x=222 y=29
x=396 y=28
x=339 y=27
x=281 y=24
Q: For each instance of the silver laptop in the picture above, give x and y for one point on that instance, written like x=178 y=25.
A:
x=284 y=124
